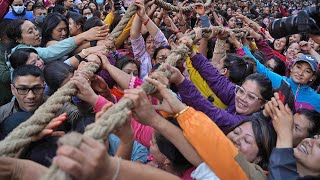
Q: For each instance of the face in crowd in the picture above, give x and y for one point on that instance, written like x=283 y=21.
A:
x=28 y=91
x=29 y=34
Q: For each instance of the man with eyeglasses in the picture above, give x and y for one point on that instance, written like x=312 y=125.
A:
x=27 y=87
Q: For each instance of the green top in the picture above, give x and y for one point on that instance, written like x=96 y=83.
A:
x=52 y=52
x=5 y=92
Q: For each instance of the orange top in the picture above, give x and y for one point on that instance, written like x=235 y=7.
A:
x=214 y=148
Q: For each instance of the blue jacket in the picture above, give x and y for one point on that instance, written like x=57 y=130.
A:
x=28 y=15
x=220 y=85
x=305 y=96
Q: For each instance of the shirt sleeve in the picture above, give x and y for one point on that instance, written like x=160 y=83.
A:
x=100 y=103
x=139 y=153
x=142 y=133
x=202 y=85
x=125 y=34
x=109 y=19
x=265 y=48
x=274 y=77
x=215 y=80
x=160 y=40
x=214 y=148
x=57 y=50
x=205 y=22
x=282 y=164
x=192 y=97
x=140 y=53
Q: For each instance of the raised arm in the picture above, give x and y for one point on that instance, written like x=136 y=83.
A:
x=215 y=80
x=214 y=148
x=274 y=77
x=66 y=46
x=147 y=115
x=192 y=97
x=282 y=164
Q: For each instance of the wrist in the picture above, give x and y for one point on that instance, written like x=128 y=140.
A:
x=84 y=53
x=111 y=169
x=80 y=38
x=180 y=80
x=183 y=109
x=237 y=45
x=157 y=122
x=285 y=140
x=193 y=53
x=145 y=18
x=92 y=100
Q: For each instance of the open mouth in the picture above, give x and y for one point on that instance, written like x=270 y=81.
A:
x=303 y=149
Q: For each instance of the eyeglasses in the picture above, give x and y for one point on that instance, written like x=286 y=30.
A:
x=251 y=98
x=163 y=57
x=25 y=91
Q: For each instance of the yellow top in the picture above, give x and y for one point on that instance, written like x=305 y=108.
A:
x=201 y=84
x=125 y=32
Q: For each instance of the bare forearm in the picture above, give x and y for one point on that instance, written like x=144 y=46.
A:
x=151 y=26
x=119 y=76
x=284 y=140
x=175 y=136
x=203 y=48
x=135 y=28
x=83 y=45
x=131 y=170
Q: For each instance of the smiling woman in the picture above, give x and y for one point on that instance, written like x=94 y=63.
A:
x=254 y=138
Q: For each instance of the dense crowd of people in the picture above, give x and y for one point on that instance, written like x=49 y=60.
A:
x=243 y=104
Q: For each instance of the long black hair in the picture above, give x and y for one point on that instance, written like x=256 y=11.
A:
x=55 y=73
x=49 y=23
x=265 y=137
x=20 y=57
x=179 y=163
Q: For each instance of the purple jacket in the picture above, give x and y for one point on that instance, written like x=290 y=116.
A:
x=220 y=85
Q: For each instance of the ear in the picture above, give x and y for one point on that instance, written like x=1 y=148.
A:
x=224 y=71
x=314 y=77
x=13 y=89
x=19 y=41
x=78 y=26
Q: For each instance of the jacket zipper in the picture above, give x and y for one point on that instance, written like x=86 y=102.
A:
x=296 y=95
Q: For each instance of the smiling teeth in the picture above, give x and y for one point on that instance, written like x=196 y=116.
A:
x=304 y=149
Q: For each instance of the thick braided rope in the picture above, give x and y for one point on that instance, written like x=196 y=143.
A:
x=21 y=135
x=116 y=116
x=170 y=7
x=124 y=21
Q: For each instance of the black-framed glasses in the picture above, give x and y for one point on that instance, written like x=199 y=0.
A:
x=25 y=91
x=251 y=98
